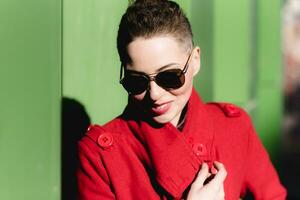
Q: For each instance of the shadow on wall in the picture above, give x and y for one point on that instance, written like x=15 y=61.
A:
x=75 y=122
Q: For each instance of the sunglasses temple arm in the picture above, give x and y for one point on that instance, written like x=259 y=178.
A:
x=187 y=63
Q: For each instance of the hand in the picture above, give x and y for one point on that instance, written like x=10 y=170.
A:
x=214 y=189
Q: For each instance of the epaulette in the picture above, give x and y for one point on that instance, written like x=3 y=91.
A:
x=102 y=137
x=229 y=109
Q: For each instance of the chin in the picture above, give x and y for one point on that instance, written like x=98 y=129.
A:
x=165 y=118
x=161 y=120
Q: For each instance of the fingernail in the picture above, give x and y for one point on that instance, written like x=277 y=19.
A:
x=216 y=162
x=213 y=170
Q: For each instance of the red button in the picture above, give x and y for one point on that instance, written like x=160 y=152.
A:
x=199 y=149
x=231 y=110
x=105 y=140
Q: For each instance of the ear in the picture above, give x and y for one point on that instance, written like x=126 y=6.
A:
x=196 y=61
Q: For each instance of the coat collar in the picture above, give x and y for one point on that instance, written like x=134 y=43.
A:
x=172 y=153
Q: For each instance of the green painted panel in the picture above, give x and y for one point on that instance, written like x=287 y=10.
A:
x=90 y=60
x=185 y=5
x=30 y=86
x=268 y=117
x=270 y=72
x=231 y=50
x=202 y=25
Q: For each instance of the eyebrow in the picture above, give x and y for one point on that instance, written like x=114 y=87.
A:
x=166 y=66
x=158 y=70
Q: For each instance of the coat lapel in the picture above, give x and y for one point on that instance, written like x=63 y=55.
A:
x=173 y=157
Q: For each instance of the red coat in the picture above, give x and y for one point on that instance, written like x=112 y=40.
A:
x=130 y=159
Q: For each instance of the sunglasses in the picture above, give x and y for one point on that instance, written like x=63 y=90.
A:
x=137 y=82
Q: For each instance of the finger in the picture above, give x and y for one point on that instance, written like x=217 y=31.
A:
x=221 y=193
x=221 y=174
x=201 y=177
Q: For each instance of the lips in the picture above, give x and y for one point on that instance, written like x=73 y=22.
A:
x=161 y=108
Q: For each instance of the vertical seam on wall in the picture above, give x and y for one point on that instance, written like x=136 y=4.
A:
x=61 y=45
x=61 y=86
x=212 y=56
x=251 y=104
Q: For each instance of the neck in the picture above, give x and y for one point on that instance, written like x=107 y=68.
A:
x=182 y=117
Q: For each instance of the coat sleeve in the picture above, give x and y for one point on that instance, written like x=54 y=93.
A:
x=261 y=177
x=92 y=178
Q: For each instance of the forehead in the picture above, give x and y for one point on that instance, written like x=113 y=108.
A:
x=149 y=54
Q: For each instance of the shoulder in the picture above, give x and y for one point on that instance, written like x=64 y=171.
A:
x=232 y=127
x=225 y=113
x=113 y=142
x=226 y=110
x=103 y=137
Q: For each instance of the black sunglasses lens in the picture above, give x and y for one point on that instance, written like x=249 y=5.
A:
x=135 y=83
x=170 y=79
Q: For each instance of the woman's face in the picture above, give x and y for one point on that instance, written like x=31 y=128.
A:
x=159 y=53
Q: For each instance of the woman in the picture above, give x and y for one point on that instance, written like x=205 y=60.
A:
x=168 y=144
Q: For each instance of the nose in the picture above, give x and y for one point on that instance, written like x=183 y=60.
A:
x=155 y=91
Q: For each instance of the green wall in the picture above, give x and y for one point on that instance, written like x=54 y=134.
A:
x=240 y=63
x=224 y=32
x=30 y=86
x=269 y=74
x=90 y=61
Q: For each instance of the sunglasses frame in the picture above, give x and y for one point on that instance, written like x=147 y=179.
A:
x=151 y=77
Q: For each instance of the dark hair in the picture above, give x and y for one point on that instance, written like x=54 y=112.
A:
x=148 y=18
